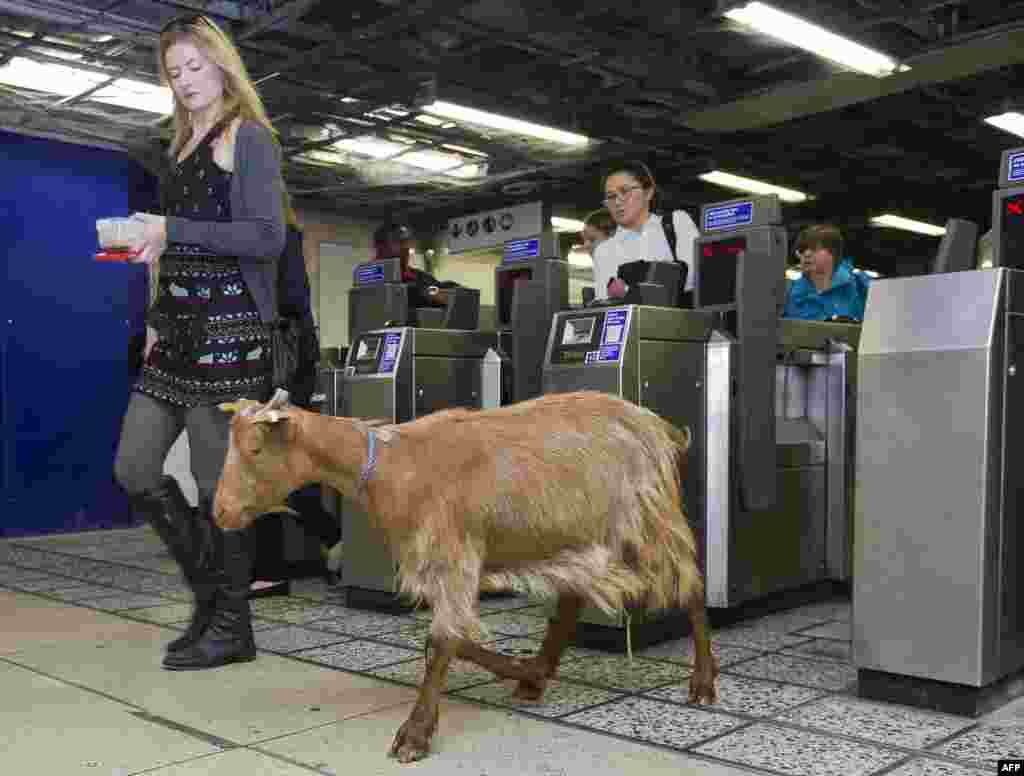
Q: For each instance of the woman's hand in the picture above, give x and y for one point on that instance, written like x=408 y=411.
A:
x=153 y=241
x=616 y=288
x=151 y=340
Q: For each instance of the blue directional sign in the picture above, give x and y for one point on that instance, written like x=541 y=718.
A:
x=728 y=216
x=518 y=250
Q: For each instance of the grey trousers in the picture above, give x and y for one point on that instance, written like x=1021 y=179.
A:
x=148 y=431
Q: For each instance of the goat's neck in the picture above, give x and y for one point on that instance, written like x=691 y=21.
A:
x=337 y=448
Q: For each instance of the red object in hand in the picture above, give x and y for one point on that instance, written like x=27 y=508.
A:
x=115 y=255
x=616 y=288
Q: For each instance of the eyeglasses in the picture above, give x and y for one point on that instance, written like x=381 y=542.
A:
x=613 y=197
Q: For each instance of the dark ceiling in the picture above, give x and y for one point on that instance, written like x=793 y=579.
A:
x=675 y=84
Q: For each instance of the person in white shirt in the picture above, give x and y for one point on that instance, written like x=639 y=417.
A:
x=629 y=192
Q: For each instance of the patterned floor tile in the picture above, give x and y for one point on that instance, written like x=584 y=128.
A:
x=617 y=672
x=461 y=673
x=560 y=698
x=519 y=622
x=357 y=655
x=291 y=638
x=83 y=591
x=798 y=752
x=786 y=622
x=878 y=722
x=926 y=767
x=984 y=746
x=363 y=624
x=503 y=603
x=754 y=637
x=331 y=614
x=44 y=584
x=826 y=648
x=743 y=695
x=681 y=651
x=121 y=601
x=827 y=674
x=840 y=630
x=654 y=721
x=275 y=607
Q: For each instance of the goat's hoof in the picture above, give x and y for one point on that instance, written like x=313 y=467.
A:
x=702 y=682
x=530 y=690
x=412 y=742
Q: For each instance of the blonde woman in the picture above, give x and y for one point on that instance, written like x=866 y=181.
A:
x=217 y=244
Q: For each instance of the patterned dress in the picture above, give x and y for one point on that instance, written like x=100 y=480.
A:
x=212 y=346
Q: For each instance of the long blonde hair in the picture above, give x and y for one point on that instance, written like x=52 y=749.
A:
x=240 y=95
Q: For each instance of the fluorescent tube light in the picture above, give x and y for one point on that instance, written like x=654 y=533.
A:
x=1011 y=122
x=730 y=181
x=67 y=81
x=472 y=116
x=810 y=37
x=907 y=224
x=566 y=224
x=367 y=145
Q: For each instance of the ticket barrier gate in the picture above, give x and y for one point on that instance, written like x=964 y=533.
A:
x=402 y=374
x=766 y=401
x=940 y=467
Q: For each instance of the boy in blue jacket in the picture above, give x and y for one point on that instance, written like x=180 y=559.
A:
x=828 y=289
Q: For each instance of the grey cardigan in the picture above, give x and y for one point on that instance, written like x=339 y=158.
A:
x=256 y=231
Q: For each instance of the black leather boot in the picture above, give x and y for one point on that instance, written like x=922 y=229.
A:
x=228 y=637
x=175 y=522
x=199 y=540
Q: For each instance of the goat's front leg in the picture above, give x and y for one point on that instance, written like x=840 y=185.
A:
x=412 y=742
x=557 y=638
x=705 y=664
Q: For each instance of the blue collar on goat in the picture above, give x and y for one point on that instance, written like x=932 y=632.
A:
x=371 y=459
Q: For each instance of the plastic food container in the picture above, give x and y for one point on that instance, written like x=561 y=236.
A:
x=116 y=237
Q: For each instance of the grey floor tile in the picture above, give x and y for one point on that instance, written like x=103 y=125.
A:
x=519 y=622
x=922 y=766
x=786 y=622
x=165 y=614
x=357 y=655
x=618 y=672
x=881 y=723
x=833 y=630
x=560 y=698
x=461 y=673
x=122 y=601
x=359 y=623
x=16 y=573
x=827 y=674
x=276 y=607
x=798 y=752
x=654 y=721
x=828 y=610
x=984 y=746
x=331 y=614
x=826 y=648
x=291 y=638
x=44 y=584
x=743 y=695
x=504 y=603
x=754 y=637
x=681 y=651
x=83 y=591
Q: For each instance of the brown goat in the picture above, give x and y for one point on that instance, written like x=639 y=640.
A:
x=575 y=495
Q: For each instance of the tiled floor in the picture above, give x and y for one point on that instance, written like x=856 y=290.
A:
x=83 y=619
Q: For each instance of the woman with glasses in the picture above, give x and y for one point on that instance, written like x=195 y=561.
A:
x=828 y=288
x=213 y=266
x=629 y=194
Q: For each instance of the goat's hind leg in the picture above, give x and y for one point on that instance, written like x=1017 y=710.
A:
x=412 y=742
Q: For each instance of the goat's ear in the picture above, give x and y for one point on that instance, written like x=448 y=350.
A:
x=278 y=400
x=243 y=407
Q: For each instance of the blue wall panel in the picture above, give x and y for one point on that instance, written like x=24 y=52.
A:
x=66 y=320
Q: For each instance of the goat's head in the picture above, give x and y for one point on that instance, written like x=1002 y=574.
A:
x=259 y=472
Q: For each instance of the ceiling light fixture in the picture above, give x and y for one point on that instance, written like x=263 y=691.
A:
x=578 y=258
x=817 y=40
x=908 y=224
x=739 y=183
x=1011 y=122
x=494 y=121
x=566 y=224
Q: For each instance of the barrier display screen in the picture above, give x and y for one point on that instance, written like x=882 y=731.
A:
x=507 y=281
x=716 y=277
x=1011 y=252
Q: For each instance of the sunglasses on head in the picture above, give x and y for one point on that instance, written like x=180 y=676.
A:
x=185 y=23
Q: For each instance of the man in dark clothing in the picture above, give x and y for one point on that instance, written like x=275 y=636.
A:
x=395 y=240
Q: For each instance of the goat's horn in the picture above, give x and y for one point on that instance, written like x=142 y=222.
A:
x=242 y=406
x=278 y=400
x=269 y=416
